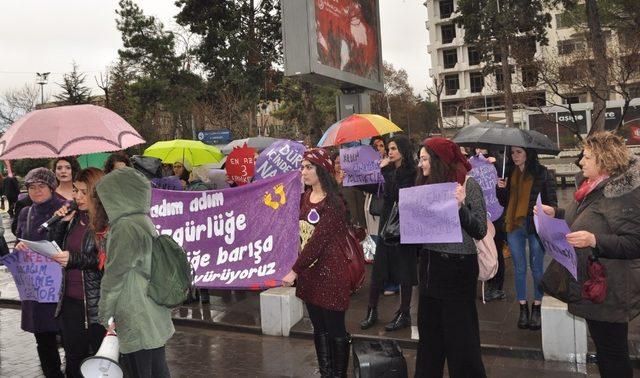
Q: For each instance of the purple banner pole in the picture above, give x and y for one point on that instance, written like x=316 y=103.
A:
x=429 y=214
x=37 y=277
x=486 y=175
x=361 y=166
x=237 y=238
x=553 y=235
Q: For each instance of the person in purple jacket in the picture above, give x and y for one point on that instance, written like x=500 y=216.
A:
x=38 y=318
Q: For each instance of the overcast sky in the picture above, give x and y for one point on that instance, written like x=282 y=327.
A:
x=47 y=35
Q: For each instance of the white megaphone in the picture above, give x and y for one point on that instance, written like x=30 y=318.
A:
x=105 y=363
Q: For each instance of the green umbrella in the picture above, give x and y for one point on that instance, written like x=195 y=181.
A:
x=93 y=160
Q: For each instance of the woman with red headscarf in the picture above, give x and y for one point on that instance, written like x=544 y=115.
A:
x=447 y=314
x=321 y=268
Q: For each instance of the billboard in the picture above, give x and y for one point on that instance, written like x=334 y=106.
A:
x=333 y=42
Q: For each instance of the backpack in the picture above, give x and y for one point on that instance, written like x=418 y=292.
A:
x=354 y=254
x=171 y=273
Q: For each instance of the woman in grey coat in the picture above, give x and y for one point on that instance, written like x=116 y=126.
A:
x=605 y=222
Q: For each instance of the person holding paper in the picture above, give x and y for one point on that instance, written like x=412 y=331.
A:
x=38 y=318
x=321 y=267
x=605 y=222
x=447 y=314
x=526 y=179
x=77 y=311
x=394 y=263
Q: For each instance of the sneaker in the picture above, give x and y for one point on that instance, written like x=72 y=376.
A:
x=494 y=295
x=387 y=293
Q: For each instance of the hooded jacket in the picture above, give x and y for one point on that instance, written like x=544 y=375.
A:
x=140 y=322
x=611 y=212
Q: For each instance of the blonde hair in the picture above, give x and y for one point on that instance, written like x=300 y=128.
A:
x=609 y=151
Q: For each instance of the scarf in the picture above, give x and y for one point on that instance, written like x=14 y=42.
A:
x=519 y=195
x=587 y=186
x=102 y=255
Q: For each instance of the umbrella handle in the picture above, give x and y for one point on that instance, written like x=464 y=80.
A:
x=504 y=161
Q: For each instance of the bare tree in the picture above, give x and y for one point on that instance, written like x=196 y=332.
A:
x=436 y=92
x=15 y=103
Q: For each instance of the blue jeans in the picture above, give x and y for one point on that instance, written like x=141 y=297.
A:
x=517 y=240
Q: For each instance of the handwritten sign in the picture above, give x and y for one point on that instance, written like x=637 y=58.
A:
x=552 y=233
x=37 y=278
x=486 y=175
x=241 y=165
x=429 y=214
x=237 y=238
x=281 y=157
x=361 y=166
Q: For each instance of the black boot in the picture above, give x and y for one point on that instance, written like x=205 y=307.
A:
x=371 y=319
x=523 y=320
x=401 y=320
x=536 y=319
x=323 y=351
x=340 y=355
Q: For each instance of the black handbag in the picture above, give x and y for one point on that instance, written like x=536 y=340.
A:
x=560 y=284
x=376 y=205
x=390 y=233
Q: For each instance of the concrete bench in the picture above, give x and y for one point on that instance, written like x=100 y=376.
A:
x=280 y=310
x=564 y=336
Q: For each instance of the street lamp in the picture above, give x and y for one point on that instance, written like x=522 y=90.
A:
x=42 y=81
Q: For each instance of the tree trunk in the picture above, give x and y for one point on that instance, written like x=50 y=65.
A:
x=598 y=67
x=506 y=83
x=253 y=60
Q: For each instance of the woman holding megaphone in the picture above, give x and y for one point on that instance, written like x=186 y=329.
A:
x=83 y=259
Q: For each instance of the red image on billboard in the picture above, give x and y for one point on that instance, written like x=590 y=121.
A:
x=348 y=36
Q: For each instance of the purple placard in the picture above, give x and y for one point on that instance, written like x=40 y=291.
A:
x=429 y=214
x=553 y=235
x=238 y=238
x=37 y=277
x=486 y=175
x=280 y=157
x=361 y=166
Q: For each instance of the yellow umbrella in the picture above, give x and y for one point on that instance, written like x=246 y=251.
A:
x=192 y=151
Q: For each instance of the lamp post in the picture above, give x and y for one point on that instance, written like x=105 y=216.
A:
x=43 y=78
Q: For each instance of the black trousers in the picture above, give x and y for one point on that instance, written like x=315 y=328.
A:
x=78 y=342
x=612 y=348
x=327 y=321
x=498 y=280
x=448 y=330
x=146 y=363
x=48 y=353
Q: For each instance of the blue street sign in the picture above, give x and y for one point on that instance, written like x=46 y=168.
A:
x=222 y=136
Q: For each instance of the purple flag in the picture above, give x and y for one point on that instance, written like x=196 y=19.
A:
x=486 y=175
x=553 y=235
x=429 y=214
x=245 y=237
x=361 y=166
x=280 y=157
x=37 y=277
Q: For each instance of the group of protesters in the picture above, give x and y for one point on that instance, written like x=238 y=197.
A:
x=605 y=230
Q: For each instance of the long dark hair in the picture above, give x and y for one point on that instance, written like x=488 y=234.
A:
x=332 y=190
x=531 y=165
x=113 y=159
x=97 y=215
x=406 y=150
x=439 y=172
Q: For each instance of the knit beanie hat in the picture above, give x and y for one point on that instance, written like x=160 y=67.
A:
x=43 y=175
x=319 y=157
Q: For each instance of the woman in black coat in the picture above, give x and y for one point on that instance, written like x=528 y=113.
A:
x=394 y=263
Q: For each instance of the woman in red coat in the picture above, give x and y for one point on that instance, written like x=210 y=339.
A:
x=321 y=268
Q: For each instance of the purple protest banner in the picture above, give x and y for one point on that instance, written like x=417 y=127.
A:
x=37 y=278
x=553 y=235
x=429 y=214
x=361 y=166
x=486 y=175
x=238 y=238
x=280 y=157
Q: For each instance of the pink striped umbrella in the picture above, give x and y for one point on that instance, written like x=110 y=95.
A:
x=67 y=131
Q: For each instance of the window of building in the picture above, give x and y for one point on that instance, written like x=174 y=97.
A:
x=451 y=84
x=474 y=56
x=448 y=33
x=563 y=20
x=446 y=8
x=533 y=99
x=529 y=76
x=499 y=78
x=451 y=108
x=574 y=98
x=450 y=58
x=497 y=56
x=568 y=74
x=476 y=80
x=570 y=46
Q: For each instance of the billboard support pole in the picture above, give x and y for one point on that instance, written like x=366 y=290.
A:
x=352 y=102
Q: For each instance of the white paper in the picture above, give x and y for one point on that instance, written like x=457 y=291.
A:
x=44 y=247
